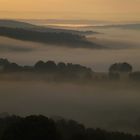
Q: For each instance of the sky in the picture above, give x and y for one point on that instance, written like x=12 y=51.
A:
x=71 y=9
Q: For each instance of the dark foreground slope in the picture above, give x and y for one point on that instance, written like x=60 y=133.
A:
x=41 y=127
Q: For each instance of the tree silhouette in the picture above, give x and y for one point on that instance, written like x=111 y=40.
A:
x=50 y=66
x=120 y=68
x=31 y=128
x=40 y=66
x=42 y=128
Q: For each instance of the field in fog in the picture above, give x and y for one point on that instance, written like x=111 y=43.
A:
x=111 y=106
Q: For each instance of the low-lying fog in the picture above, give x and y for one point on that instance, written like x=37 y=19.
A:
x=113 y=107
x=122 y=45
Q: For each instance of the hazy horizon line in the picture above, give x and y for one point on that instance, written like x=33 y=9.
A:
x=70 y=20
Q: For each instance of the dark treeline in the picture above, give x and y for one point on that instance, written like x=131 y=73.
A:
x=60 y=70
x=40 y=127
x=56 y=38
x=69 y=71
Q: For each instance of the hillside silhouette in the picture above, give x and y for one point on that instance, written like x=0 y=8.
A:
x=41 y=127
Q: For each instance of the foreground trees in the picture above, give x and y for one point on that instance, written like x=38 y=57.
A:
x=43 y=128
x=31 y=128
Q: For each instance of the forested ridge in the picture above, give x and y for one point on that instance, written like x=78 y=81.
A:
x=41 y=127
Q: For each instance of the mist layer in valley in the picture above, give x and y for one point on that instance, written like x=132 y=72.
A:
x=110 y=106
x=26 y=53
x=121 y=45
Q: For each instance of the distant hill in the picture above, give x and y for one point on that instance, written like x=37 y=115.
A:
x=28 y=32
x=19 y=24
x=16 y=24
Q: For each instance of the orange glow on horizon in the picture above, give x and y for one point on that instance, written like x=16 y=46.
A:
x=71 y=9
